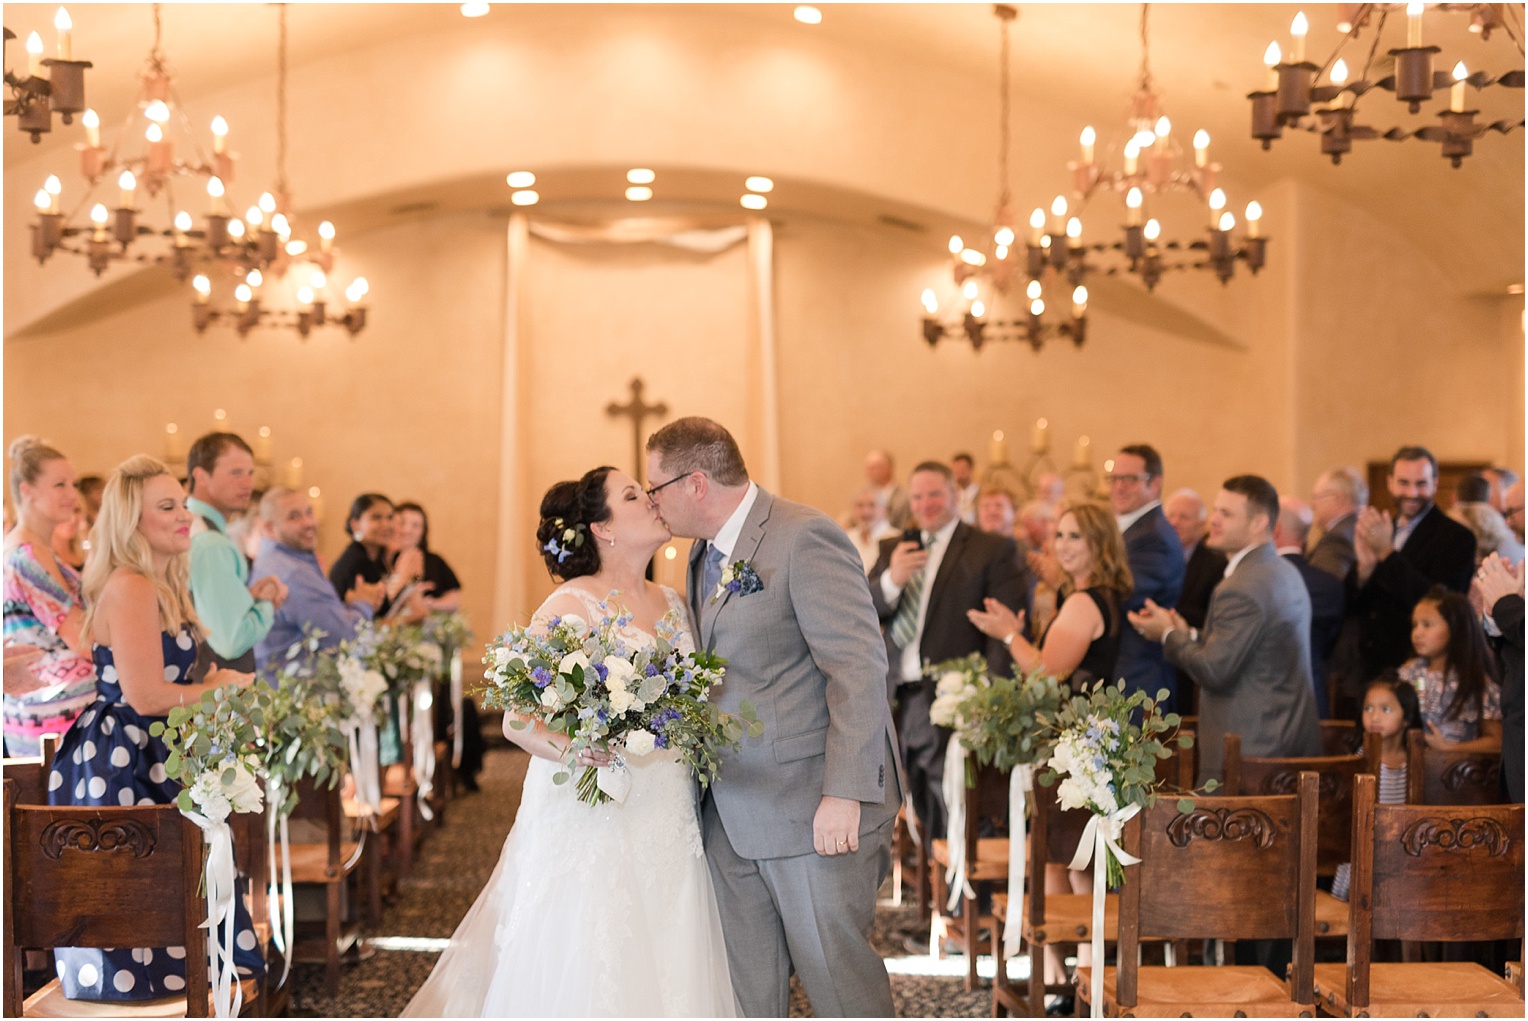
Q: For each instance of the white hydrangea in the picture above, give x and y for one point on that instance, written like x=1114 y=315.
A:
x=640 y=742
x=208 y=796
x=362 y=687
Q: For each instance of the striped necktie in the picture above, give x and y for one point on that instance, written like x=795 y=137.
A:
x=904 y=626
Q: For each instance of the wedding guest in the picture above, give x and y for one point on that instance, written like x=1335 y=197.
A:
x=1400 y=559
x=1500 y=589
x=1327 y=599
x=1452 y=671
x=1202 y=567
x=370 y=524
x=44 y=607
x=235 y=612
x=1037 y=523
x=1500 y=480
x=288 y=553
x=144 y=627
x=1335 y=502
x=995 y=511
x=90 y=488
x=867 y=528
x=442 y=592
x=963 y=468
x=69 y=540
x=1472 y=510
x=1035 y=529
x=890 y=499
x=1156 y=564
x=921 y=592
x=1251 y=660
x=1051 y=491
x=1390 y=710
x=1512 y=508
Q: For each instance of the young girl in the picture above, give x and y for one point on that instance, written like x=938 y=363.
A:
x=1461 y=702
x=1390 y=710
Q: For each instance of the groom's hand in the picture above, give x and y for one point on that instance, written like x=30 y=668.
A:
x=835 y=828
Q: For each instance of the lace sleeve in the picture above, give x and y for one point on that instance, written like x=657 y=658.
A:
x=564 y=601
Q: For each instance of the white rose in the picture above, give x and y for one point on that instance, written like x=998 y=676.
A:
x=571 y=660
x=951 y=683
x=550 y=699
x=500 y=656
x=621 y=701
x=640 y=742
x=244 y=792
x=619 y=673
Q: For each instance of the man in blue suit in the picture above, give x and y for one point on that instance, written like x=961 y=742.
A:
x=1156 y=563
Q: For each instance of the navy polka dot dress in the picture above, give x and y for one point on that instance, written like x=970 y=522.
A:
x=108 y=757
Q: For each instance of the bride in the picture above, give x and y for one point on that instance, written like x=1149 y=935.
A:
x=605 y=910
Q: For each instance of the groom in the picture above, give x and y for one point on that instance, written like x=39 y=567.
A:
x=798 y=824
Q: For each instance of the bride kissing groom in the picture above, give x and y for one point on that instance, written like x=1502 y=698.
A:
x=668 y=903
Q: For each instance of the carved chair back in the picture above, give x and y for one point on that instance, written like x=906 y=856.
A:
x=1233 y=868
x=986 y=806
x=1334 y=786
x=31 y=773
x=94 y=876
x=1430 y=874
x=1341 y=737
x=1437 y=776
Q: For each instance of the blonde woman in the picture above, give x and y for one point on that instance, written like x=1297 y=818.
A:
x=1083 y=641
x=144 y=631
x=44 y=608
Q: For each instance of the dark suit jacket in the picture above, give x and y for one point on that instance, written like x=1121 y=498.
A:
x=1508 y=615
x=1327 y=601
x=1252 y=664
x=1201 y=574
x=977 y=565
x=1440 y=551
x=1333 y=552
x=1156 y=562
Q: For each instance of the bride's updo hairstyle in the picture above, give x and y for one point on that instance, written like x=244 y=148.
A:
x=573 y=505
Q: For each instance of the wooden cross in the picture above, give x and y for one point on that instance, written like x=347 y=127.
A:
x=637 y=411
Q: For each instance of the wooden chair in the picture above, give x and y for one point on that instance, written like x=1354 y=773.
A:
x=334 y=865
x=1334 y=815
x=251 y=856
x=102 y=877
x=1341 y=737
x=30 y=773
x=1441 y=777
x=986 y=808
x=1425 y=874
x=1235 y=868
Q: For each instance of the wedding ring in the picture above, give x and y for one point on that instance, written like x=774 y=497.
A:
x=841 y=843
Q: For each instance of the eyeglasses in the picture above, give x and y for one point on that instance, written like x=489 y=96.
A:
x=664 y=485
x=1122 y=479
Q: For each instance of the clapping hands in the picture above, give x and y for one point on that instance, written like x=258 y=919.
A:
x=1373 y=540
x=269 y=588
x=1496 y=578
x=1152 y=622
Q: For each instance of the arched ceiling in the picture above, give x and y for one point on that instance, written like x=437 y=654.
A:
x=1072 y=62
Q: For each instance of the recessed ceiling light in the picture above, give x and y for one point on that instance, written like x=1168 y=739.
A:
x=520 y=179
x=759 y=184
x=525 y=198
x=752 y=201
x=808 y=15
x=638 y=193
x=474 y=10
x=640 y=175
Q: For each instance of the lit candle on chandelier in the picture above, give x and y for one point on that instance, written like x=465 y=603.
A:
x=1088 y=140
x=173 y=451
x=65 y=27
x=1297 y=31
x=1036 y=227
x=1456 y=92
x=1201 y=147
x=930 y=302
x=1079 y=302
x=182 y=227
x=294 y=473
x=1414 y=25
x=34 y=55
x=1132 y=158
x=263 y=445
x=54 y=187
x=1039 y=437
x=98 y=216
x=997 y=451
x=161 y=150
x=203 y=288
x=1058 y=216
x=219 y=135
x=325 y=236
x=1254 y=220
x=1272 y=57
x=1082 y=454
x=215 y=193
x=1134 y=199
x=1217 y=203
x=92 y=122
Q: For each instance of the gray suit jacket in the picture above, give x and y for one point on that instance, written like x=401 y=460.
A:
x=1333 y=552
x=806 y=651
x=1252 y=664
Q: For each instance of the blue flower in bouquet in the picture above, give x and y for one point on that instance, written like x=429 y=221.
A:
x=541 y=676
x=738 y=578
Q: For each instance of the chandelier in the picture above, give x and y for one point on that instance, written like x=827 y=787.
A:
x=999 y=265
x=1291 y=98
x=273 y=249
x=53 y=84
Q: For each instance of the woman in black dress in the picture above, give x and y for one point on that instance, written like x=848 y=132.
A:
x=1082 y=643
x=370 y=525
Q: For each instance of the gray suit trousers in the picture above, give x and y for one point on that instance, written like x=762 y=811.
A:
x=808 y=909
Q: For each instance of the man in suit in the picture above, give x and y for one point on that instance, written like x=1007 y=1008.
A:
x=1512 y=507
x=921 y=592
x=890 y=499
x=963 y=467
x=1156 y=563
x=1498 y=586
x=1399 y=560
x=1327 y=600
x=1251 y=659
x=798 y=824
x=1335 y=501
x=1202 y=570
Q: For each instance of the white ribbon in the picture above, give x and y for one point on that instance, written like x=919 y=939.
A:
x=457 y=736
x=227 y=995
x=1099 y=839
x=955 y=828
x=422 y=734
x=1020 y=782
x=279 y=891
x=365 y=764
x=614 y=780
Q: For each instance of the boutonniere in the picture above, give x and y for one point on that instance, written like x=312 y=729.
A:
x=738 y=577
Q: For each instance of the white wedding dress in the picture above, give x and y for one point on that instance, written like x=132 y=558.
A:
x=593 y=910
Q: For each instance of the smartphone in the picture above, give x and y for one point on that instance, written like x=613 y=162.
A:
x=914 y=536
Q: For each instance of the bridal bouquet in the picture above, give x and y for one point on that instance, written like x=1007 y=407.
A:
x=585 y=681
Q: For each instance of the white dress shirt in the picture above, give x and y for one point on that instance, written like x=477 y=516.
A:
x=936 y=544
x=726 y=536
x=1124 y=521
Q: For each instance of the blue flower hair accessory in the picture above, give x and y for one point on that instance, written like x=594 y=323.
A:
x=565 y=539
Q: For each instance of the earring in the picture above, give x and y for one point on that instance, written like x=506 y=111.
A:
x=356 y=536
x=612 y=542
